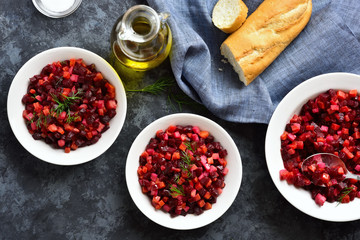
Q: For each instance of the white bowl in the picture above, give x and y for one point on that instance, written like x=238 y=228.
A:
x=232 y=179
x=39 y=148
x=290 y=105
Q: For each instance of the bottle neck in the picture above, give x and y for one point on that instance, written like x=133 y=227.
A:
x=138 y=33
x=140 y=24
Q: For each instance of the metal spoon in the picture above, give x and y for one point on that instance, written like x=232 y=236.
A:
x=327 y=161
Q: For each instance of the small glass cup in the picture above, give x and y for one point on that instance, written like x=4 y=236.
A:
x=56 y=8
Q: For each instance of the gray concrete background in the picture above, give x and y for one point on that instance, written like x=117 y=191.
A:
x=91 y=201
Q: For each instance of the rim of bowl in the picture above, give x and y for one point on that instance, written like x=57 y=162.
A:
x=42 y=150
x=290 y=105
x=190 y=221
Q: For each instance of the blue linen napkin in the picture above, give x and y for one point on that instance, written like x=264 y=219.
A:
x=329 y=43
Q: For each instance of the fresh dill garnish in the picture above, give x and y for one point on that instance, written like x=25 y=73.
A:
x=175 y=96
x=185 y=163
x=190 y=147
x=59 y=82
x=344 y=193
x=33 y=96
x=39 y=122
x=161 y=85
x=33 y=118
x=185 y=157
x=64 y=105
x=70 y=118
x=176 y=177
x=176 y=191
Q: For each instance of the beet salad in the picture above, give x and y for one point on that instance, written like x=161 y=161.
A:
x=182 y=170
x=328 y=123
x=69 y=104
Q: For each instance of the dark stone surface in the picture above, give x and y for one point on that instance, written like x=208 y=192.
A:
x=91 y=201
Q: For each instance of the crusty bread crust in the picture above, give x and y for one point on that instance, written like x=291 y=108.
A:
x=264 y=35
x=238 y=21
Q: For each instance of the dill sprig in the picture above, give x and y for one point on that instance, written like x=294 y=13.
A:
x=70 y=118
x=42 y=120
x=59 y=82
x=344 y=193
x=185 y=157
x=190 y=147
x=185 y=163
x=64 y=105
x=157 y=87
x=176 y=191
x=176 y=177
x=175 y=97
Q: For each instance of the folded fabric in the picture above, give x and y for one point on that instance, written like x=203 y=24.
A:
x=329 y=43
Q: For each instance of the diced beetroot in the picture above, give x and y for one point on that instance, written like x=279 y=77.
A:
x=166 y=208
x=196 y=129
x=295 y=127
x=62 y=115
x=193 y=193
x=334 y=107
x=33 y=126
x=352 y=93
x=61 y=143
x=153 y=177
x=315 y=110
x=98 y=77
x=321 y=164
x=39 y=98
x=203 y=160
x=101 y=127
x=150 y=151
x=177 y=135
x=292 y=137
x=171 y=128
x=28 y=115
x=324 y=129
x=325 y=178
x=204 y=134
x=100 y=104
x=284 y=174
x=37 y=107
x=195 y=137
x=84 y=106
x=52 y=128
x=347 y=153
x=166 y=136
x=225 y=171
x=320 y=199
x=111 y=104
x=74 y=77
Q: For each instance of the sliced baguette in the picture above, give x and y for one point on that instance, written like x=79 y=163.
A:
x=264 y=35
x=229 y=15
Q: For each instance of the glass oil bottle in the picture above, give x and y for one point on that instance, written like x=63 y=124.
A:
x=140 y=40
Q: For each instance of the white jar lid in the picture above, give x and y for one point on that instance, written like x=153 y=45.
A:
x=56 y=8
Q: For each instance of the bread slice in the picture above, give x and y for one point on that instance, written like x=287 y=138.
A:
x=264 y=35
x=229 y=15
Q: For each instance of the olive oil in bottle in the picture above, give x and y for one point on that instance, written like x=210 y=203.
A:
x=140 y=39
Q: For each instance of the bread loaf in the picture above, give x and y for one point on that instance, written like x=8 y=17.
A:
x=229 y=15
x=264 y=35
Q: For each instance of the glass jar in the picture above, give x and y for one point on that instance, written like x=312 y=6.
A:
x=140 y=39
